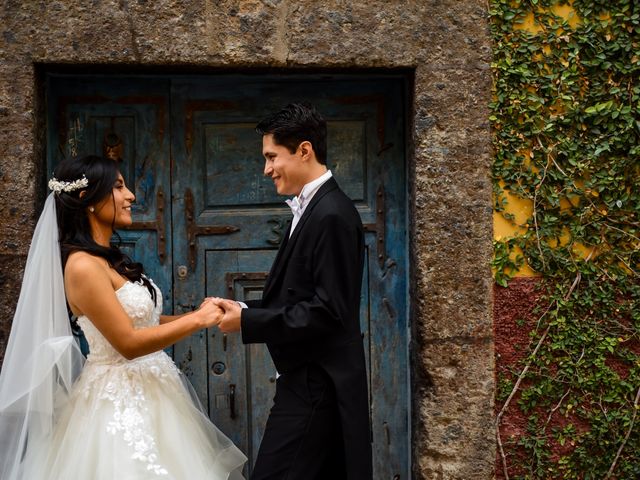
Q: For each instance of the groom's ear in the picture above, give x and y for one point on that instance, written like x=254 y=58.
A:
x=306 y=150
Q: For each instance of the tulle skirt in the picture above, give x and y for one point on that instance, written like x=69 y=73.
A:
x=134 y=420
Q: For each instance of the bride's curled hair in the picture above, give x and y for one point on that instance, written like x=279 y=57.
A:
x=73 y=222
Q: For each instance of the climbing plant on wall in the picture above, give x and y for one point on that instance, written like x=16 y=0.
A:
x=566 y=118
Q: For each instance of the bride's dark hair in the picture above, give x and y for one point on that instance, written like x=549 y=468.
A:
x=73 y=223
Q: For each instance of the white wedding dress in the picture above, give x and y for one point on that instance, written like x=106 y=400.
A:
x=133 y=419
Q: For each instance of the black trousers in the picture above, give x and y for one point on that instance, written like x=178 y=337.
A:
x=303 y=436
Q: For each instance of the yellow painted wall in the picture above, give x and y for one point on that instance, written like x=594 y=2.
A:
x=520 y=208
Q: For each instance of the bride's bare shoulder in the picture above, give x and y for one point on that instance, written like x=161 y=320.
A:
x=86 y=278
x=83 y=265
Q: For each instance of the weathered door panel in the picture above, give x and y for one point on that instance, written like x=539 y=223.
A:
x=242 y=377
x=127 y=120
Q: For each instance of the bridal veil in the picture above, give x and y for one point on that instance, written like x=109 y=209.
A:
x=42 y=359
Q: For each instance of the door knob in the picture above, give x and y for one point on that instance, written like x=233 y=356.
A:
x=218 y=368
x=182 y=272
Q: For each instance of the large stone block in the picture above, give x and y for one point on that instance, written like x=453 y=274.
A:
x=456 y=410
x=453 y=102
x=380 y=33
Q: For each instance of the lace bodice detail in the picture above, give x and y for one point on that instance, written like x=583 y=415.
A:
x=138 y=304
x=122 y=383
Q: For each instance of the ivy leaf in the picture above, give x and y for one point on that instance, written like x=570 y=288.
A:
x=567 y=137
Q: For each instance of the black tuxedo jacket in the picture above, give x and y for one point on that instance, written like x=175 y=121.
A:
x=309 y=312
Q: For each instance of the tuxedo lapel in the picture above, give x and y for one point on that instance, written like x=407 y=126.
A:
x=281 y=249
x=324 y=189
x=287 y=245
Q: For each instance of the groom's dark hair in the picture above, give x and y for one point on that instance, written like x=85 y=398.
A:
x=294 y=124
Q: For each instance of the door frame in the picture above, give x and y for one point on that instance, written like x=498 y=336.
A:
x=409 y=186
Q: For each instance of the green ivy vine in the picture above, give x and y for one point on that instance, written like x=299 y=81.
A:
x=566 y=119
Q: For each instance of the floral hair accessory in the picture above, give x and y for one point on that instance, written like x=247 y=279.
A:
x=59 y=186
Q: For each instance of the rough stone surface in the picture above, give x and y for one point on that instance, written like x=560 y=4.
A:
x=444 y=42
x=462 y=386
x=10 y=280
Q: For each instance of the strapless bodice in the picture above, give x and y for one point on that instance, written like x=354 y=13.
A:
x=139 y=306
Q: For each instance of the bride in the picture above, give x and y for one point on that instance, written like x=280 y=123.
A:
x=128 y=413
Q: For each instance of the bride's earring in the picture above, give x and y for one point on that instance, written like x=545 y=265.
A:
x=91 y=209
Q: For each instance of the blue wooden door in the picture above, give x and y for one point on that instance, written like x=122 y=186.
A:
x=231 y=221
x=126 y=119
x=188 y=146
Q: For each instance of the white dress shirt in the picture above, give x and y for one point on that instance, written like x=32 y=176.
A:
x=299 y=204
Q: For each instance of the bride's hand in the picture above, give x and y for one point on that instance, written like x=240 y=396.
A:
x=206 y=299
x=214 y=300
x=210 y=314
x=232 y=318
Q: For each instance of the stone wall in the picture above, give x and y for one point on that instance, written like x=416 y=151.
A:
x=445 y=42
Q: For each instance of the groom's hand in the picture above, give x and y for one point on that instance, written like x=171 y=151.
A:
x=231 y=319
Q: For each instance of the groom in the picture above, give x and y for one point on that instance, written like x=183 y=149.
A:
x=318 y=427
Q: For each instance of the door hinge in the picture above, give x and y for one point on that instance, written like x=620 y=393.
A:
x=379 y=227
x=156 y=225
x=193 y=230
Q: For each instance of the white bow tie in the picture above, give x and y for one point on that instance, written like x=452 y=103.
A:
x=296 y=206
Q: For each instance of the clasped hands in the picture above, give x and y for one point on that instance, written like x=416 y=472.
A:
x=223 y=313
